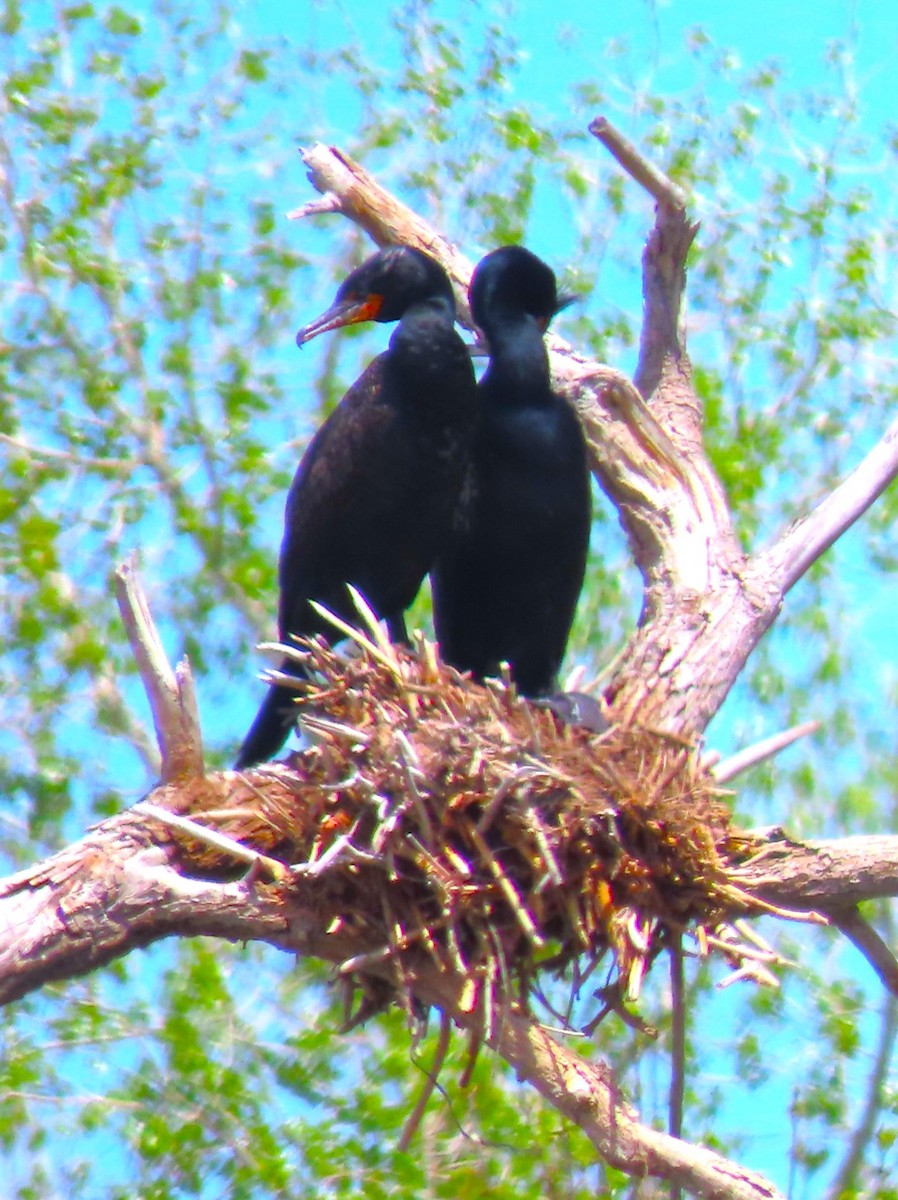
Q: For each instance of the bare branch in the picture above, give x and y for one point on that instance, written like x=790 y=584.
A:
x=788 y=559
x=845 y=1180
x=864 y=937
x=662 y=345
x=645 y=173
x=588 y=1095
x=171 y=693
x=736 y=764
x=328 y=203
x=347 y=188
x=677 y=1047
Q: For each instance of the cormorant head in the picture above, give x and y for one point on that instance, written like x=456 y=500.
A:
x=383 y=288
x=513 y=280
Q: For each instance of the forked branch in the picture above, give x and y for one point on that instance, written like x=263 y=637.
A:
x=171 y=693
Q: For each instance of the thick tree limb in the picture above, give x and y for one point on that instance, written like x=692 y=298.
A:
x=131 y=882
x=823 y=875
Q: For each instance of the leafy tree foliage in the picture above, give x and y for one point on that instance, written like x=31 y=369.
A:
x=151 y=398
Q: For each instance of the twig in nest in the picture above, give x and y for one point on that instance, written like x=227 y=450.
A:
x=340 y=850
x=386 y=660
x=507 y=888
x=211 y=837
x=374 y=958
x=430 y=1082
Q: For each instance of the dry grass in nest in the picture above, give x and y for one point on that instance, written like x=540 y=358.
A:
x=442 y=817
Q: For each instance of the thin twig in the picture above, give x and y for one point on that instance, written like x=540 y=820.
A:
x=724 y=771
x=430 y=1081
x=328 y=203
x=340 y=848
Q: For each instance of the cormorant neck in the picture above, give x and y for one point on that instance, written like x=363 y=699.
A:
x=433 y=312
x=519 y=365
x=440 y=307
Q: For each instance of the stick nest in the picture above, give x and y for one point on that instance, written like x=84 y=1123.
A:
x=442 y=817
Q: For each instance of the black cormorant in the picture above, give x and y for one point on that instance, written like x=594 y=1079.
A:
x=506 y=588
x=374 y=495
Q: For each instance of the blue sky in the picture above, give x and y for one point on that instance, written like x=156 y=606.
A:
x=570 y=43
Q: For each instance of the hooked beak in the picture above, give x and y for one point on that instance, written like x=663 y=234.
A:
x=342 y=312
x=561 y=302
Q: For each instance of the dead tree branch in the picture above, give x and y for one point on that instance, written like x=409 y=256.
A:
x=645 y=173
x=348 y=189
x=768 y=747
x=142 y=876
x=171 y=693
x=801 y=545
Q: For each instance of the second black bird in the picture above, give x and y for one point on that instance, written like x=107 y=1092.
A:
x=506 y=588
x=375 y=492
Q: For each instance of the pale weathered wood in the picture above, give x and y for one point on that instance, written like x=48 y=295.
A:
x=171 y=693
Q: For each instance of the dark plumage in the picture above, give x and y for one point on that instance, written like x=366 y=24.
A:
x=507 y=586
x=374 y=495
